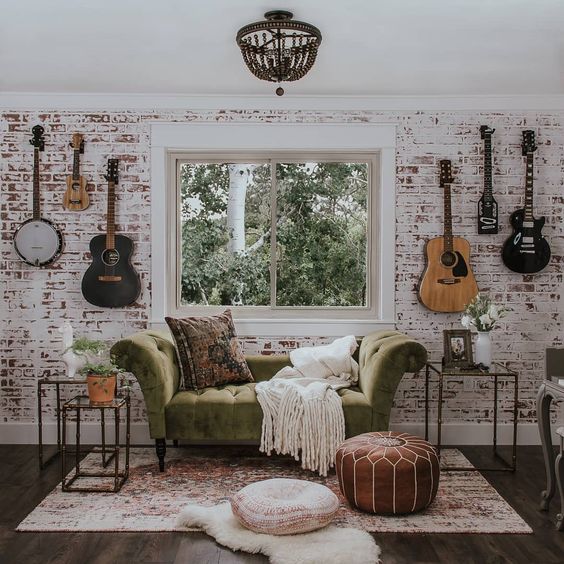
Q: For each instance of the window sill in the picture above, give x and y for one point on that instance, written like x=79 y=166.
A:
x=302 y=327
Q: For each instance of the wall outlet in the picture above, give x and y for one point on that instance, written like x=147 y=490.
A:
x=468 y=383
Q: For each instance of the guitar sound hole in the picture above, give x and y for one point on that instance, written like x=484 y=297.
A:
x=76 y=186
x=449 y=259
x=110 y=257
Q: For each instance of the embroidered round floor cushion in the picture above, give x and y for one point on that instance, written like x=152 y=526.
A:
x=283 y=506
x=388 y=472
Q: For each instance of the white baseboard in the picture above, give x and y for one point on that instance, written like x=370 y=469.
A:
x=452 y=433
x=476 y=433
x=26 y=433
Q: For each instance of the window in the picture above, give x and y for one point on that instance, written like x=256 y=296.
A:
x=276 y=231
x=305 y=246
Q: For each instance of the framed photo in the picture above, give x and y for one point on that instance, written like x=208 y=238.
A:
x=458 y=348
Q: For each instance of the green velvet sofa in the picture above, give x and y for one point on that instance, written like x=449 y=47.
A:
x=232 y=413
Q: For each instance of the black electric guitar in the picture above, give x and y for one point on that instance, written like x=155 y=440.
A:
x=527 y=250
x=111 y=280
x=487 y=206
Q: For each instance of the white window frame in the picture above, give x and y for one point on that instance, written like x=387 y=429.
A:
x=168 y=140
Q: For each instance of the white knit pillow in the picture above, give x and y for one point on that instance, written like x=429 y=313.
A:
x=282 y=506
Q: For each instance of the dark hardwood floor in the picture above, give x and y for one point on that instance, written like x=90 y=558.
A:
x=23 y=486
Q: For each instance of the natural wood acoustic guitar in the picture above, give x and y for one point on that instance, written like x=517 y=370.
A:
x=447 y=283
x=76 y=197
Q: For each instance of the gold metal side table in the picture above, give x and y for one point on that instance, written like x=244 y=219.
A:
x=42 y=384
x=57 y=382
x=82 y=403
x=496 y=371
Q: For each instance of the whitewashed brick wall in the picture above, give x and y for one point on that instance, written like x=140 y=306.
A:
x=35 y=302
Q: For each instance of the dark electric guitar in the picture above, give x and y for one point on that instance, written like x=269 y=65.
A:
x=447 y=284
x=110 y=280
x=527 y=250
x=76 y=196
x=487 y=206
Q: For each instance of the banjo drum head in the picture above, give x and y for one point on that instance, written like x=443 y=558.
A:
x=38 y=242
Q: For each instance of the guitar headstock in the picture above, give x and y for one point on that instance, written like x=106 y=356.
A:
x=486 y=131
x=38 y=140
x=529 y=145
x=77 y=142
x=112 y=173
x=446 y=173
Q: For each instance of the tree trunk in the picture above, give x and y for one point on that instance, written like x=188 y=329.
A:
x=239 y=178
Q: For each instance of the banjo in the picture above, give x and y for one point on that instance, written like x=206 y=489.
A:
x=37 y=241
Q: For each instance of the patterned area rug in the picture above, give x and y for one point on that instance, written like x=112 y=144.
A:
x=150 y=501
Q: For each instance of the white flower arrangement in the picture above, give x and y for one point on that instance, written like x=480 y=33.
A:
x=482 y=314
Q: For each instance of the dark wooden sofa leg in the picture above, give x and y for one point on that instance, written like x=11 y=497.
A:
x=160 y=445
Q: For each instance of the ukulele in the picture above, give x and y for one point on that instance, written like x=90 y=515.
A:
x=37 y=241
x=526 y=250
x=76 y=197
x=111 y=280
x=447 y=283
x=487 y=206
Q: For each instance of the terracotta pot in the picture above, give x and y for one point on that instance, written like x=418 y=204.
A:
x=101 y=389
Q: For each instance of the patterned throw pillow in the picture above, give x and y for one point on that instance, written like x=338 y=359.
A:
x=208 y=351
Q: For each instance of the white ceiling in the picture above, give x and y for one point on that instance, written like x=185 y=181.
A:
x=401 y=47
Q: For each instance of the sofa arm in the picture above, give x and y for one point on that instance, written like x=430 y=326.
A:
x=151 y=358
x=384 y=357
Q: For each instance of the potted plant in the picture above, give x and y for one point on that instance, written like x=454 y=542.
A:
x=101 y=379
x=77 y=353
x=88 y=348
x=483 y=314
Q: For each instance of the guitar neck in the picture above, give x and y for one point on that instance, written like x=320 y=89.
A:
x=36 y=210
x=76 y=165
x=529 y=188
x=488 y=192
x=111 y=221
x=447 y=236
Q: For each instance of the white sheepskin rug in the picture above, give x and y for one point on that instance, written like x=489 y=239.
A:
x=331 y=545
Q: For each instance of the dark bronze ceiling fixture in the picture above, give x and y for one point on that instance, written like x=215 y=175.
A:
x=279 y=49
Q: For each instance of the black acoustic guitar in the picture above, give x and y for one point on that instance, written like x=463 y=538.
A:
x=487 y=206
x=111 y=280
x=527 y=250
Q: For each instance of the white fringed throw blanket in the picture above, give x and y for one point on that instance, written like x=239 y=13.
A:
x=302 y=412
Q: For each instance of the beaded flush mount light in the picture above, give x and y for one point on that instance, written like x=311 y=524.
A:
x=279 y=49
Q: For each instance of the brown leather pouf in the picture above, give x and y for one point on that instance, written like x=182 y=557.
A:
x=388 y=472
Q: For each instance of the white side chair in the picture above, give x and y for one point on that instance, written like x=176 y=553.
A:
x=554 y=369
